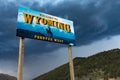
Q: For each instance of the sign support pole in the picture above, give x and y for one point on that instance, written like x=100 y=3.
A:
x=21 y=59
x=71 y=63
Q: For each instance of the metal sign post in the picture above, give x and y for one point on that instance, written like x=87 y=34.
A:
x=71 y=63
x=21 y=59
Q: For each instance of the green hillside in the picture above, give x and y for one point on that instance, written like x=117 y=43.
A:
x=7 y=77
x=102 y=66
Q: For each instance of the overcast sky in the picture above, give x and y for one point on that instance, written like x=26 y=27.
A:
x=96 y=23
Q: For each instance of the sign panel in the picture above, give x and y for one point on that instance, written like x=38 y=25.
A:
x=37 y=25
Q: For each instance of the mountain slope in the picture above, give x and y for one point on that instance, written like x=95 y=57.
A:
x=103 y=66
x=7 y=77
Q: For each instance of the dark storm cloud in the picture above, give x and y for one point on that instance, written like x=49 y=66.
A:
x=8 y=40
x=9 y=43
x=92 y=21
